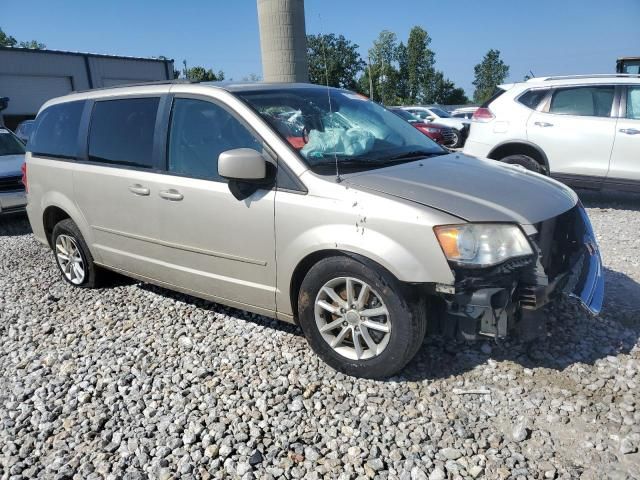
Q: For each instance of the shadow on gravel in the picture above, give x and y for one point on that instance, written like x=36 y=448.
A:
x=223 y=309
x=610 y=199
x=573 y=336
x=14 y=224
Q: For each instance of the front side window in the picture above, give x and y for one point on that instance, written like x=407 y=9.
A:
x=583 y=101
x=329 y=126
x=55 y=133
x=633 y=103
x=440 y=113
x=9 y=144
x=121 y=131
x=200 y=131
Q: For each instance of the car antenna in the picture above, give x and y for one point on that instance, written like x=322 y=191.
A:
x=326 y=78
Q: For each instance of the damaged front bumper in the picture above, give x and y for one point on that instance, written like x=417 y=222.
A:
x=510 y=297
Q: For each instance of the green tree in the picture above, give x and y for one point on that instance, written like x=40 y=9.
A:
x=489 y=73
x=333 y=60
x=444 y=91
x=32 y=44
x=420 y=61
x=7 y=40
x=383 y=58
x=201 y=74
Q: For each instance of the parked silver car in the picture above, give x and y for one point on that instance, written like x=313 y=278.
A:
x=12 y=195
x=307 y=204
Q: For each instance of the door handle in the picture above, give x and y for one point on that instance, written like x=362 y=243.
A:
x=543 y=124
x=630 y=131
x=139 y=189
x=171 y=194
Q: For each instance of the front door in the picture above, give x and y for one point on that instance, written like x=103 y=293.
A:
x=625 y=157
x=577 y=131
x=213 y=243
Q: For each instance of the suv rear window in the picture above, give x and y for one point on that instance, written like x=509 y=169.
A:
x=493 y=97
x=532 y=98
x=121 y=131
x=583 y=101
x=55 y=133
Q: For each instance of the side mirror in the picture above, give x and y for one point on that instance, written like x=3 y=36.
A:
x=242 y=164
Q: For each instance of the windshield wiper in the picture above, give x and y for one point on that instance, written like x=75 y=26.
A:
x=415 y=154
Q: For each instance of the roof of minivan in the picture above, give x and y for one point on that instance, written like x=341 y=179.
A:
x=163 y=86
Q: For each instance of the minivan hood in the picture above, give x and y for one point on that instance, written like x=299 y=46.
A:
x=10 y=165
x=472 y=189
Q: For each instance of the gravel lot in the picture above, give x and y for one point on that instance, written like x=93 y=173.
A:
x=134 y=381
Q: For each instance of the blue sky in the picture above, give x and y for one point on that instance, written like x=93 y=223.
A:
x=545 y=36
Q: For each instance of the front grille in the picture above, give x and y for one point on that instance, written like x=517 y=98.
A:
x=447 y=135
x=560 y=239
x=8 y=184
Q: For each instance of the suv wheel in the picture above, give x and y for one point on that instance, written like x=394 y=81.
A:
x=357 y=319
x=524 y=160
x=73 y=256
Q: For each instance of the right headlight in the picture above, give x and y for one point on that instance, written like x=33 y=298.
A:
x=482 y=244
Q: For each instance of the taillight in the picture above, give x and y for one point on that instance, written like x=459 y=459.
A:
x=483 y=115
x=24 y=176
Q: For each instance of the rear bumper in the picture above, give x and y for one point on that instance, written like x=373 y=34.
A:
x=13 y=201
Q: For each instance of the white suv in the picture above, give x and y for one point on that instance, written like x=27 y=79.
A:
x=581 y=130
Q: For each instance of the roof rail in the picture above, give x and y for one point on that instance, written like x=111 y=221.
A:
x=577 y=77
x=139 y=84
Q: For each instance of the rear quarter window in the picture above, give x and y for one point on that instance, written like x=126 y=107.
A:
x=55 y=133
x=532 y=98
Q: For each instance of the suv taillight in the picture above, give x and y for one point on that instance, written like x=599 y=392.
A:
x=24 y=176
x=483 y=115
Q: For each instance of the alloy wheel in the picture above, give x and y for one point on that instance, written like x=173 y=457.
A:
x=352 y=318
x=70 y=259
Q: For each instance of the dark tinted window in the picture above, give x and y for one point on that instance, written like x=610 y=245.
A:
x=121 y=131
x=55 y=133
x=200 y=131
x=583 y=101
x=532 y=98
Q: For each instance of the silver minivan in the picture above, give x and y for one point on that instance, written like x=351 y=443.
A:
x=309 y=204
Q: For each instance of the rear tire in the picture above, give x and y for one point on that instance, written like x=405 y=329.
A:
x=376 y=334
x=525 y=161
x=73 y=257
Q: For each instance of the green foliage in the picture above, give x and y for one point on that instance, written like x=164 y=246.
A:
x=200 y=74
x=33 y=45
x=9 y=41
x=420 y=62
x=383 y=69
x=489 y=73
x=443 y=91
x=333 y=60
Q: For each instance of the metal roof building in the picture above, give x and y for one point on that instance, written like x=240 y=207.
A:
x=31 y=77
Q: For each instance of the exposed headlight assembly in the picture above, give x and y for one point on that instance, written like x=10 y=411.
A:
x=482 y=244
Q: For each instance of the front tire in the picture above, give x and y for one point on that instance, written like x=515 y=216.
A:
x=456 y=141
x=72 y=255
x=359 y=319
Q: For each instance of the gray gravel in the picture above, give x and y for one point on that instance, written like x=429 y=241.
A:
x=133 y=381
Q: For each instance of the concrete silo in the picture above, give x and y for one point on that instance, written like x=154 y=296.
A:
x=283 y=40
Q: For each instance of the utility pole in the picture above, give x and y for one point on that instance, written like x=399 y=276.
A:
x=283 y=40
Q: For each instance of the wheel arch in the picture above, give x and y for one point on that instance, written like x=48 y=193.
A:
x=304 y=265
x=523 y=147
